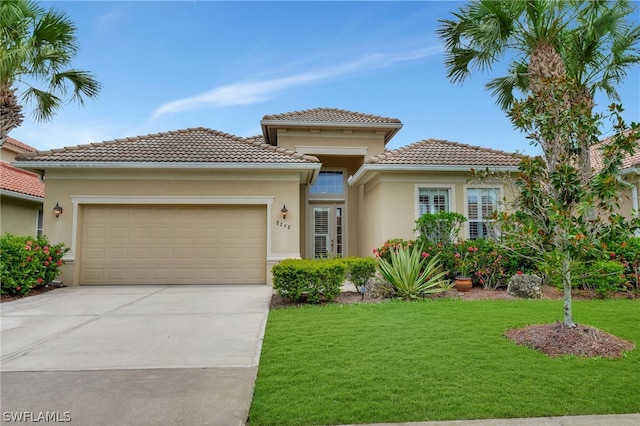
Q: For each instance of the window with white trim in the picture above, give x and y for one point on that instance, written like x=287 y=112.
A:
x=39 y=223
x=433 y=200
x=328 y=182
x=481 y=204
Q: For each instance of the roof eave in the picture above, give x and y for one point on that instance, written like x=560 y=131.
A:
x=392 y=128
x=363 y=175
x=21 y=196
x=39 y=167
x=36 y=165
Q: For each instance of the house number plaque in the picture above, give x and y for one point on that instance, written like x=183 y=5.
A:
x=282 y=224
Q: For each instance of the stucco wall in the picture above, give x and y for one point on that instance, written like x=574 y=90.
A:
x=65 y=186
x=626 y=200
x=391 y=202
x=18 y=217
x=332 y=142
x=370 y=217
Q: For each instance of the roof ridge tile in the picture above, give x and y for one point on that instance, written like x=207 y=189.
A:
x=447 y=153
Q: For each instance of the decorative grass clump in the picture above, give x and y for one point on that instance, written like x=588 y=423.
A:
x=436 y=360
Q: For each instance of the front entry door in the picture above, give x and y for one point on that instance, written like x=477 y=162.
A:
x=328 y=230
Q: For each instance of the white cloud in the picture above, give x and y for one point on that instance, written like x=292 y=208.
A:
x=251 y=92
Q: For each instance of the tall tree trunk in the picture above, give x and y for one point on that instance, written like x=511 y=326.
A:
x=547 y=74
x=545 y=68
x=566 y=289
x=584 y=100
x=10 y=111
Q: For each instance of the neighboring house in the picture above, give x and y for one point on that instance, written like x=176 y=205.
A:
x=630 y=173
x=21 y=193
x=198 y=206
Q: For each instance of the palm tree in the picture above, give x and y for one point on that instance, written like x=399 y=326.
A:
x=591 y=42
x=560 y=53
x=36 y=50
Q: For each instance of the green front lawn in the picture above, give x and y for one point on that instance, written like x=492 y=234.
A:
x=436 y=360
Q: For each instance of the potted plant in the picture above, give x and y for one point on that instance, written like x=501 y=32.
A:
x=463 y=262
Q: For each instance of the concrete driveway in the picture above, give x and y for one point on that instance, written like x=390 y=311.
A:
x=133 y=355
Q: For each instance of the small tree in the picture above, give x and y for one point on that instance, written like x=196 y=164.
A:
x=558 y=215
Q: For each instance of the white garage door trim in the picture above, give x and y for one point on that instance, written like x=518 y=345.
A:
x=172 y=244
x=78 y=200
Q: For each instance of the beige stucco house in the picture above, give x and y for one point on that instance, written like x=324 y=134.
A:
x=199 y=206
x=628 y=200
x=21 y=193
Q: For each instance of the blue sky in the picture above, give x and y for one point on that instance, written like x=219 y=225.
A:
x=224 y=65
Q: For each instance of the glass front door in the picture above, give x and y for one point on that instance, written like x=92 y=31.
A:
x=328 y=231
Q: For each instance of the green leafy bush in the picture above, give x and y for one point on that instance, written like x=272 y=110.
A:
x=360 y=270
x=315 y=280
x=605 y=277
x=412 y=274
x=27 y=262
x=439 y=228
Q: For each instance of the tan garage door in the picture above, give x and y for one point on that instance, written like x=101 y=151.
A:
x=173 y=245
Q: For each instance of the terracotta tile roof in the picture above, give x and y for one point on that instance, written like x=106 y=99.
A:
x=195 y=145
x=20 y=181
x=630 y=161
x=330 y=115
x=16 y=143
x=434 y=152
x=327 y=118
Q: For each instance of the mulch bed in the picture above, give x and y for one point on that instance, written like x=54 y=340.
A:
x=559 y=340
x=34 y=292
x=552 y=339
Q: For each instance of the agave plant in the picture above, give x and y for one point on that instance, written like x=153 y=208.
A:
x=411 y=274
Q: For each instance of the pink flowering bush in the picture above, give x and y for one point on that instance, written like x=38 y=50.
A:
x=384 y=252
x=27 y=262
x=489 y=264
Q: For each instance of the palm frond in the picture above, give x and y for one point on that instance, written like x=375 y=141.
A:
x=504 y=88
x=36 y=49
x=46 y=103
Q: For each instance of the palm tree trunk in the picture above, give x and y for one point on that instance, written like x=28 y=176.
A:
x=545 y=69
x=10 y=111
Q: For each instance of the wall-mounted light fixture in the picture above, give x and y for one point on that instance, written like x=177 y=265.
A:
x=284 y=211
x=57 y=210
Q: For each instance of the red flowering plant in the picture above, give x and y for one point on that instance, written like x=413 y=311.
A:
x=384 y=252
x=463 y=262
x=489 y=269
x=27 y=262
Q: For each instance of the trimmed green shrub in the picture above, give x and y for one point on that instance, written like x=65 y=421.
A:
x=313 y=280
x=360 y=270
x=27 y=262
